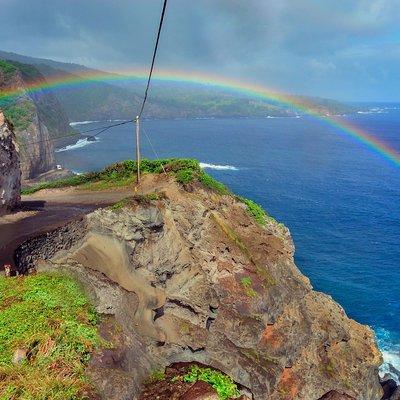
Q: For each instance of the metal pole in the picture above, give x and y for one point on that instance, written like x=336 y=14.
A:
x=138 y=149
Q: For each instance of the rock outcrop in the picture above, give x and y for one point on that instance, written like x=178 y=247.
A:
x=191 y=277
x=10 y=174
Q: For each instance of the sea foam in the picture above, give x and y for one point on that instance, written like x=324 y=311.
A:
x=77 y=123
x=219 y=167
x=391 y=354
x=80 y=143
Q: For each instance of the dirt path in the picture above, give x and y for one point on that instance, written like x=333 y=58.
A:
x=48 y=209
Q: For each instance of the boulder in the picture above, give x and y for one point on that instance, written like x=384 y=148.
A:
x=334 y=395
x=396 y=394
x=19 y=355
x=388 y=387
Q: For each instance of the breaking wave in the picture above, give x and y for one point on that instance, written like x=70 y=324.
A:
x=391 y=354
x=80 y=143
x=219 y=167
x=82 y=123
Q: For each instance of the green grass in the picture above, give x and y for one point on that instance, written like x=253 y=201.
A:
x=185 y=176
x=155 y=376
x=255 y=210
x=124 y=173
x=211 y=183
x=223 y=384
x=247 y=283
x=20 y=113
x=50 y=317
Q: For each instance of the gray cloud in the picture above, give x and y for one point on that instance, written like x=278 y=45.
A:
x=335 y=48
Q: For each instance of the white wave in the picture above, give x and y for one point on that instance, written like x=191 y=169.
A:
x=80 y=143
x=374 y=110
x=391 y=365
x=282 y=116
x=82 y=123
x=219 y=167
x=391 y=354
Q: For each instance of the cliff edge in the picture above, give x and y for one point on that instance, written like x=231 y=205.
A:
x=191 y=274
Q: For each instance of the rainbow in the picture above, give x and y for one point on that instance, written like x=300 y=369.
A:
x=249 y=89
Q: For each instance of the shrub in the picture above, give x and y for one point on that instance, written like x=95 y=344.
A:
x=184 y=176
x=211 y=183
x=246 y=281
x=222 y=383
x=255 y=210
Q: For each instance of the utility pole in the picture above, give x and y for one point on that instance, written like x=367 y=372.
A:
x=138 y=149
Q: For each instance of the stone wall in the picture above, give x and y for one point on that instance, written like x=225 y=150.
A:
x=45 y=246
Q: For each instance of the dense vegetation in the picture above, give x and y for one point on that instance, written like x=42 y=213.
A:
x=20 y=114
x=21 y=109
x=50 y=320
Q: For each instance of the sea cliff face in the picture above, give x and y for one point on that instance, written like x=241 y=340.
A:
x=187 y=275
x=37 y=117
x=10 y=174
x=37 y=151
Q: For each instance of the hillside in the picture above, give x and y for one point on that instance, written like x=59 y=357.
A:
x=37 y=117
x=186 y=272
x=120 y=99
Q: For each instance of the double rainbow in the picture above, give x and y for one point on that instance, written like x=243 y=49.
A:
x=257 y=91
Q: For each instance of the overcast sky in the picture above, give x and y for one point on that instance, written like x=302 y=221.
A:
x=344 y=49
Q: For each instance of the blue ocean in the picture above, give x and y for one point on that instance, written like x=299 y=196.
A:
x=340 y=198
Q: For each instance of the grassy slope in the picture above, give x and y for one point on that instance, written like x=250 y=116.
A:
x=50 y=317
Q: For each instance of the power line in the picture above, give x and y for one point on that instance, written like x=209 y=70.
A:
x=154 y=58
x=107 y=127
x=101 y=129
x=154 y=150
x=137 y=120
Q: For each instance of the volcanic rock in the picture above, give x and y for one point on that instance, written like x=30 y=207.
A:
x=194 y=278
x=200 y=391
x=10 y=174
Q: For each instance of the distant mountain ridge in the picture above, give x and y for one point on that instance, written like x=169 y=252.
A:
x=104 y=100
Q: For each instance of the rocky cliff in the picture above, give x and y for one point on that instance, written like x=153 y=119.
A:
x=186 y=274
x=10 y=174
x=37 y=117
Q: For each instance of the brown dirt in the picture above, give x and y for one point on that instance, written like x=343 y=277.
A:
x=165 y=389
x=49 y=209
